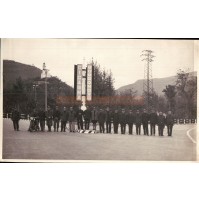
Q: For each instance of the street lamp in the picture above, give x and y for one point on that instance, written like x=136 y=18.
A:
x=46 y=72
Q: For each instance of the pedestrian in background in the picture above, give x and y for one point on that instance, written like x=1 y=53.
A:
x=153 y=118
x=64 y=119
x=87 y=118
x=116 y=120
x=49 y=118
x=42 y=117
x=101 y=120
x=169 y=123
x=15 y=117
x=94 y=117
x=56 y=118
x=161 y=123
x=145 y=121
x=79 y=116
x=138 y=121
x=130 y=121
x=123 y=121
x=108 y=120
x=71 y=119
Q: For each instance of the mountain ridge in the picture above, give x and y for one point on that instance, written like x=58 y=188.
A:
x=12 y=70
x=158 y=84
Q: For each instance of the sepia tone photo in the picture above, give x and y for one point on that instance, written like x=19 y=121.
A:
x=99 y=99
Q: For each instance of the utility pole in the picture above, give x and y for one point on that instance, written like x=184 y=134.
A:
x=46 y=73
x=148 y=79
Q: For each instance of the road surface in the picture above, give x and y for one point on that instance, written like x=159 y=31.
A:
x=77 y=146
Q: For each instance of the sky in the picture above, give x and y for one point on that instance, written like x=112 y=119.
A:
x=121 y=56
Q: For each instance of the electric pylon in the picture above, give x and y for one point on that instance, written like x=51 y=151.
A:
x=148 y=79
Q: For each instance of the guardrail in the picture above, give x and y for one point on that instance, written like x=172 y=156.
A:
x=22 y=116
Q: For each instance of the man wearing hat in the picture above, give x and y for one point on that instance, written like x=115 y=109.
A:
x=49 y=118
x=123 y=121
x=15 y=117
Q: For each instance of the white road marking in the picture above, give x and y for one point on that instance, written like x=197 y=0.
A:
x=189 y=136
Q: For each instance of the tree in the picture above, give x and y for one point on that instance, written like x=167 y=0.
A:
x=103 y=87
x=22 y=94
x=186 y=85
x=127 y=98
x=170 y=92
x=161 y=104
x=19 y=93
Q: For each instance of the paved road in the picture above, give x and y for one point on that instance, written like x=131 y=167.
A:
x=76 y=146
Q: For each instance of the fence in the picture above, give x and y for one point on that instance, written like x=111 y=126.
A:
x=22 y=116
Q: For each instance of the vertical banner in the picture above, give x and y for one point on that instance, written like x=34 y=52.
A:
x=79 y=83
x=89 y=82
x=83 y=82
x=75 y=81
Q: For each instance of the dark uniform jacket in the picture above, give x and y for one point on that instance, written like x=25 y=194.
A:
x=42 y=115
x=101 y=117
x=123 y=118
x=79 y=115
x=64 y=116
x=34 y=114
x=116 y=118
x=94 y=115
x=130 y=118
x=138 y=119
x=71 y=116
x=161 y=120
x=153 y=118
x=15 y=115
x=49 y=117
x=169 y=119
x=145 y=118
x=109 y=116
x=56 y=114
x=87 y=115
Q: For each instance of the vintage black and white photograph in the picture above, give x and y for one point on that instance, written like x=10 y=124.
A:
x=99 y=99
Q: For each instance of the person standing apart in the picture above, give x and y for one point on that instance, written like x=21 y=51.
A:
x=153 y=121
x=161 y=123
x=108 y=119
x=169 y=123
x=49 y=118
x=101 y=120
x=79 y=116
x=130 y=120
x=71 y=119
x=94 y=117
x=64 y=119
x=123 y=121
x=56 y=118
x=145 y=120
x=15 y=117
x=87 y=118
x=138 y=121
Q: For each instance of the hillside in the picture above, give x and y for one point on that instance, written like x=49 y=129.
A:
x=13 y=70
x=158 y=83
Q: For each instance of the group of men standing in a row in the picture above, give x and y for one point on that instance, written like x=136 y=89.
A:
x=103 y=117
x=107 y=117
